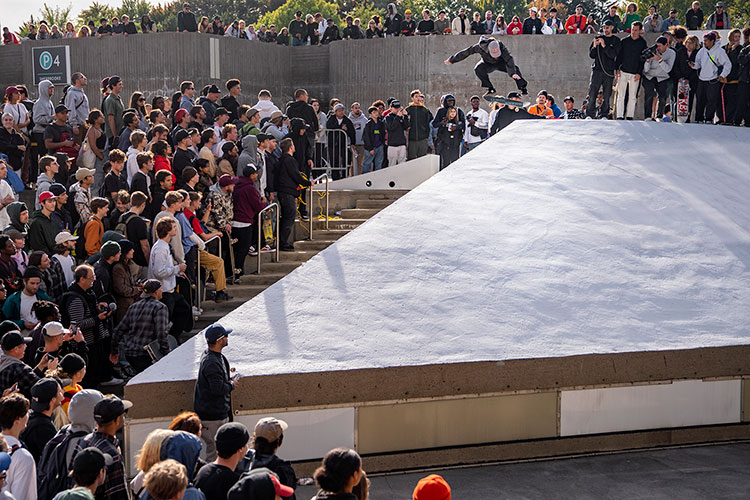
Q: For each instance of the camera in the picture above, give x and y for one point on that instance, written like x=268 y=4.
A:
x=648 y=53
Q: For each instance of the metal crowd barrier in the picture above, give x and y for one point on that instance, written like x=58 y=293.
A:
x=275 y=208
x=334 y=157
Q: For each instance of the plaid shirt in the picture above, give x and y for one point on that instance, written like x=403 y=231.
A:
x=146 y=320
x=54 y=278
x=115 y=486
x=18 y=371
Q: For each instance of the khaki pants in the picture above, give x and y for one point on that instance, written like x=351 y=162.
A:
x=208 y=435
x=212 y=263
x=359 y=160
x=626 y=84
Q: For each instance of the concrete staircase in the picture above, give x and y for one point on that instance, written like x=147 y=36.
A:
x=353 y=208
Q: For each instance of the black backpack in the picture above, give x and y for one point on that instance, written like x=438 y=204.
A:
x=53 y=469
x=122 y=224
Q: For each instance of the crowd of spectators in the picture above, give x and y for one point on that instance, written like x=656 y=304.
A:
x=61 y=441
x=315 y=29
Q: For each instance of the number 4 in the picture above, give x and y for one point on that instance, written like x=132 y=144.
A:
x=57 y=60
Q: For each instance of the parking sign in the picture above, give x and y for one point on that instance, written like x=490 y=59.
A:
x=51 y=63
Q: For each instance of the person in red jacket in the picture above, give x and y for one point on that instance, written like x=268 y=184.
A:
x=247 y=204
x=577 y=22
x=161 y=151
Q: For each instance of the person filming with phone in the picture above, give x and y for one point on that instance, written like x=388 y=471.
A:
x=14 y=371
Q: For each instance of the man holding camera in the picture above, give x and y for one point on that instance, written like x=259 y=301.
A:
x=629 y=68
x=396 y=123
x=604 y=50
x=477 y=125
x=659 y=61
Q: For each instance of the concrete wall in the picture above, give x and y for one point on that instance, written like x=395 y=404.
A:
x=356 y=70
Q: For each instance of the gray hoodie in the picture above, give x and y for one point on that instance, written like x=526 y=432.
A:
x=81 y=414
x=249 y=153
x=78 y=104
x=660 y=69
x=43 y=111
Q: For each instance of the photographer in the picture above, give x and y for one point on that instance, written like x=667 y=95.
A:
x=604 y=50
x=659 y=61
x=477 y=125
x=713 y=66
x=80 y=309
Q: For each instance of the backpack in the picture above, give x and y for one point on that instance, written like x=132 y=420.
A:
x=122 y=225
x=52 y=470
x=80 y=245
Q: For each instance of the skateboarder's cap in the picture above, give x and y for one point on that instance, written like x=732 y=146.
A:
x=494 y=48
x=569 y=98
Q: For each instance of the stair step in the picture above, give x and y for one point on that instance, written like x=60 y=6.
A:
x=314 y=245
x=373 y=203
x=329 y=234
x=343 y=224
x=266 y=278
x=358 y=213
x=278 y=267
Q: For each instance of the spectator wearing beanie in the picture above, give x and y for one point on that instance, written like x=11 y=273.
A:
x=217 y=478
x=432 y=487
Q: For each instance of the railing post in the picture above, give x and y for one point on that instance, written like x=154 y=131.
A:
x=310 y=210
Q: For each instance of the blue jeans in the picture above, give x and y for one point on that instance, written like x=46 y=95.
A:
x=297 y=42
x=377 y=157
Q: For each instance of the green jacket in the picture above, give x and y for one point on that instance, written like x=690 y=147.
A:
x=419 y=122
x=42 y=232
x=12 y=306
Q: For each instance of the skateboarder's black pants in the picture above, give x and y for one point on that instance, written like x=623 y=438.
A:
x=652 y=87
x=483 y=69
x=707 y=96
x=742 y=111
x=599 y=79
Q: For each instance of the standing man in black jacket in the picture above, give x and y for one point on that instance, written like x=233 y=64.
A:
x=419 y=126
x=396 y=124
x=694 y=17
x=297 y=29
x=603 y=51
x=532 y=25
x=46 y=396
x=629 y=69
x=288 y=179
x=339 y=144
x=495 y=57
x=299 y=108
x=743 y=88
x=186 y=20
x=212 y=399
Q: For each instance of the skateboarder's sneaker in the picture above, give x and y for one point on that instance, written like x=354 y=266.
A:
x=490 y=92
x=524 y=91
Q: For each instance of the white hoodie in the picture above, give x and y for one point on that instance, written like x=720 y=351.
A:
x=265 y=107
x=707 y=70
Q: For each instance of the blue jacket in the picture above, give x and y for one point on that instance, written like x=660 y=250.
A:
x=12 y=306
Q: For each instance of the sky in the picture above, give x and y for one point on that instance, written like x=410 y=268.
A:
x=15 y=12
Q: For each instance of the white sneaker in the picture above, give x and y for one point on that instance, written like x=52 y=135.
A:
x=196 y=311
x=113 y=381
x=252 y=251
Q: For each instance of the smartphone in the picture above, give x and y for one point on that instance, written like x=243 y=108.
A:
x=73 y=327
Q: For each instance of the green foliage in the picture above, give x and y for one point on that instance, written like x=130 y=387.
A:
x=94 y=12
x=165 y=15
x=364 y=11
x=57 y=15
x=739 y=12
x=134 y=9
x=283 y=15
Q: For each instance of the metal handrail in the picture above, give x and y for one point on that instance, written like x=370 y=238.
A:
x=275 y=208
x=199 y=266
x=310 y=206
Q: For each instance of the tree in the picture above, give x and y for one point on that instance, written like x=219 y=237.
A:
x=562 y=10
x=364 y=11
x=165 y=15
x=283 y=15
x=58 y=15
x=134 y=9
x=94 y=12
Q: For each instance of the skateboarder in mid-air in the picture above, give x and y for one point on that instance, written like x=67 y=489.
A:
x=495 y=57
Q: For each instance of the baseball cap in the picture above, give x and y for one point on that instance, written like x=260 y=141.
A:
x=608 y=22
x=43 y=392
x=263 y=137
x=514 y=95
x=662 y=40
x=220 y=111
x=432 y=487
x=213 y=89
x=53 y=329
x=150 y=287
x=72 y=363
x=494 y=48
x=226 y=180
x=13 y=339
x=91 y=460
x=4 y=461
x=407 y=11
x=270 y=428
x=11 y=90
x=216 y=331
x=569 y=98
x=109 y=408
x=181 y=135
x=542 y=92
x=720 y=4
x=46 y=195
x=57 y=189
x=15 y=234
x=249 y=170
x=61 y=238
x=673 y=11
x=61 y=108
x=180 y=114
x=339 y=106
x=259 y=484
x=251 y=112
x=231 y=437
x=395 y=103
x=534 y=9
x=82 y=173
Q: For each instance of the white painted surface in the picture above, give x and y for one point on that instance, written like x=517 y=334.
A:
x=680 y=404
x=407 y=175
x=555 y=238
x=311 y=433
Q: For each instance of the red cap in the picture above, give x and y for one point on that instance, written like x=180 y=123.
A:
x=180 y=114
x=432 y=487
x=281 y=489
x=46 y=195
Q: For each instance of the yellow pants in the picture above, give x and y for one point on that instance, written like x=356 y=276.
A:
x=212 y=263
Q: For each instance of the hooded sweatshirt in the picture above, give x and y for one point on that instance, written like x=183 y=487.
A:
x=185 y=448
x=249 y=153
x=42 y=232
x=78 y=104
x=302 y=151
x=265 y=107
x=247 y=202
x=14 y=212
x=43 y=111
